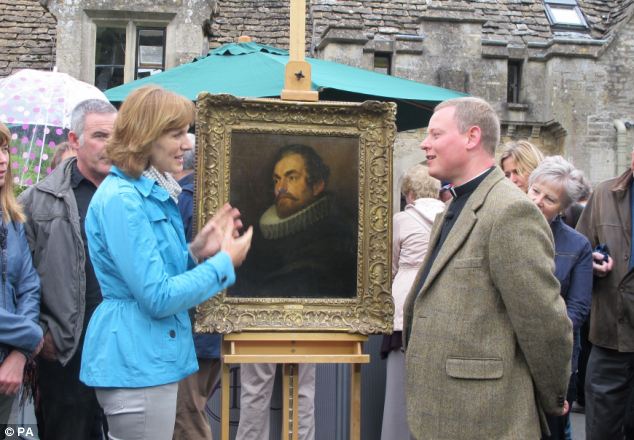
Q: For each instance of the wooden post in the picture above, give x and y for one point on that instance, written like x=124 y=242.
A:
x=297 y=79
x=290 y=408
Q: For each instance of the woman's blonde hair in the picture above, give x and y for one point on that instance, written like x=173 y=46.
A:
x=526 y=156
x=11 y=209
x=418 y=181
x=145 y=115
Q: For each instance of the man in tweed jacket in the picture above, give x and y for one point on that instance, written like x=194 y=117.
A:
x=488 y=342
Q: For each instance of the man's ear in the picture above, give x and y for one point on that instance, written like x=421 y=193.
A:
x=318 y=188
x=73 y=140
x=474 y=134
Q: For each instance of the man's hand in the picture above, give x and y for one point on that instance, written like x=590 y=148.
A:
x=209 y=239
x=48 y=350
x=11 y=373
x=565 y=409
x=599 y=267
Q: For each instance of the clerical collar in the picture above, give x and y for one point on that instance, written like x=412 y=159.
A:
x=471 y=185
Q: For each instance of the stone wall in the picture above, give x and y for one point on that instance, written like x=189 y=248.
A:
x=78 y=22
x=27 y=36
x=266 y=21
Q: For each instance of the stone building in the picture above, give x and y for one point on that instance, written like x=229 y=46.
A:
x=108 y=42
x=556 y=70
x=27 y=36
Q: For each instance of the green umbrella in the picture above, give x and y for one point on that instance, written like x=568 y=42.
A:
x=257 y=71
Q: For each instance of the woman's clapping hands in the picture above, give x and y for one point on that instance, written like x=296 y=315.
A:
x=222 y=232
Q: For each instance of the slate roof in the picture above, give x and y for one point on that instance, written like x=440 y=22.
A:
x=513 y=21
x=526 y=20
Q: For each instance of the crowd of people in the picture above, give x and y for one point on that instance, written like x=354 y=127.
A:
x=492 y=284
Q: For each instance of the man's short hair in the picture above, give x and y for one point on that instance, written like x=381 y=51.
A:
x=315 y=167
x=471 y=111
x=78 y=116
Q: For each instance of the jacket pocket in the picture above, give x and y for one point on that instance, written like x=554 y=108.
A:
x=165 y=336
x=474 y=368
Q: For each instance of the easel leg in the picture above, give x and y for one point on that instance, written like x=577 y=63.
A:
x=224 y=403
x=355 y=402
x=290 y=397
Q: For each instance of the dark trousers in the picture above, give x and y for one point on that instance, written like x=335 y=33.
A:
x=609 y=388
x=629 y=418
x=66 y=409
x=584 y=355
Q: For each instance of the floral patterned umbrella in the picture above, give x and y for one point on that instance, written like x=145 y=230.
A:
x=36 y=106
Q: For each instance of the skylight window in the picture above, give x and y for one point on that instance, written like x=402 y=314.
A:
x=565 y=14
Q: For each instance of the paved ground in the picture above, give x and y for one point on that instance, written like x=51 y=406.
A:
x=578 y=426
x=578 y=422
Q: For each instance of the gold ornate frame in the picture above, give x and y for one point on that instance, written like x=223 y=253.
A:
x=373 y=123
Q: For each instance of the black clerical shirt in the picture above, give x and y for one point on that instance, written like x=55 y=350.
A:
x=84 y=189
x=460 y=196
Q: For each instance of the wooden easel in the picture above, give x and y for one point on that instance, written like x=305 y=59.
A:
x=290 y=350
x=297 y=79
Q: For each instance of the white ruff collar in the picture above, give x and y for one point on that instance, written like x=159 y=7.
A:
x=274 y=227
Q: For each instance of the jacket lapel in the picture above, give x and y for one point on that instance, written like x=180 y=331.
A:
x=460 y=232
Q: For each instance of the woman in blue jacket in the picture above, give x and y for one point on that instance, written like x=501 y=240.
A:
x=139 y=343
x=20 y=334
x=553 y=186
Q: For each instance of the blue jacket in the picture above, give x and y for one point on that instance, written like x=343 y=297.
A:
x=573 y=269
x=207 y=344
x=140 y=335
x=19 y=297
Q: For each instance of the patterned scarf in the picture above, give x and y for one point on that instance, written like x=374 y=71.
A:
x=164 y=180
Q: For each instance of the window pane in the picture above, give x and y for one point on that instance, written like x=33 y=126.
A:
x=107 y=77
x=563 y=15
x=514 y=78
x=151 y=48
x=110 y=47
x=562 y=2
x=382 y=63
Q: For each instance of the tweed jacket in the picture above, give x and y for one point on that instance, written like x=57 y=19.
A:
x=488 y=342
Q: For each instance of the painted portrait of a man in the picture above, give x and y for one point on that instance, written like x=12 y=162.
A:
x=304 y=245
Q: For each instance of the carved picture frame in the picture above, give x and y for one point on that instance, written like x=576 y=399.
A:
x=231 y=130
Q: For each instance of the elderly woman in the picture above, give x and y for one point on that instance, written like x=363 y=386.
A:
x=20 y=332
x=411 y=229
x=553 y=186
x=518 y=160
x=139 y=341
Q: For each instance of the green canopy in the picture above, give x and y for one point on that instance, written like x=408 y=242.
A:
x=257 y=71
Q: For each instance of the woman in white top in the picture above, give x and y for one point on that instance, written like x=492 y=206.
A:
x=411 y=230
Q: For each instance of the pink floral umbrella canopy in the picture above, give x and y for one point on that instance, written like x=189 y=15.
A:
x=36 y=106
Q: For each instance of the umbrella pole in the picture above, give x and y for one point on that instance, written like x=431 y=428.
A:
x=297 y=79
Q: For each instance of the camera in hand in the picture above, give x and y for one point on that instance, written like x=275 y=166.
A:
x=602 y=248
